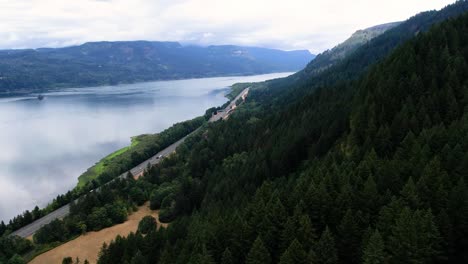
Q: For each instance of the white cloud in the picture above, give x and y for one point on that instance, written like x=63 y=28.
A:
x=293 y=24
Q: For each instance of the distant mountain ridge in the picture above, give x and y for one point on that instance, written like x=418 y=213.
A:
x=102 y=63
x=345 y=70
x=339 y=52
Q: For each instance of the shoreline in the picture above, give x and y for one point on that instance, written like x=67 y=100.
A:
x=34 y=92
x=49 y=203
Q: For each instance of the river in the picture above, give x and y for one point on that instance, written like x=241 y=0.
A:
x=46 y=144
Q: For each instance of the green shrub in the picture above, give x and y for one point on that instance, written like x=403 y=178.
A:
x=147 y=224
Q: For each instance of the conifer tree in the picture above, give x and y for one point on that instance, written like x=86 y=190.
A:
x=203 y=257
x=2 y=228
x=349 y=237
x=325 y=250
x=414 y=238
x=410 y=195
x=167 y=256
x=138 y=258
x=374 y=251
x=289 y=231
x=258 y=254
x=227 y=257
x=306 y=232
x=295 y=254
x=370 y=195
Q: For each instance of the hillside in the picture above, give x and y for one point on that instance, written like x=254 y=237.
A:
x=371 y=172
x=87 y=246
x=354 y=165
x=100 y=63
x=349 y=69
x=341 y=51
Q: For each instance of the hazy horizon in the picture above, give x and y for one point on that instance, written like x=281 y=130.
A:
x=312 y=25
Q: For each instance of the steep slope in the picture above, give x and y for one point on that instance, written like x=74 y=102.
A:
x=289 y=89
x=372 y=172
x=100 y=63
x=341 y=51
x=365 y=171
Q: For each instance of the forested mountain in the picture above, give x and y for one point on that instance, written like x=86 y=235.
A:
x=361 y=37
x=99 y=63
x=370 y=172
x=369 y=167
x=350 y=68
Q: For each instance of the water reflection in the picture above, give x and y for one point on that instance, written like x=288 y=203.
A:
x=46 y=144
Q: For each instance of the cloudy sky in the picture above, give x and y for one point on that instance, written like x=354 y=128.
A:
x=294 y=24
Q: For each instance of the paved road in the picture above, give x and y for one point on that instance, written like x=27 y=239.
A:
x=139 y=169
x=136 y=171
x=223 y=114
x=34 y=226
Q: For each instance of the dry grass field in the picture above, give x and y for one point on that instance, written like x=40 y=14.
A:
x=88 y=246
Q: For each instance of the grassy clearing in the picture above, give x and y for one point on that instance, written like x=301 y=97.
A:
x=98 y=168
x=142 y=147
x=87 y=246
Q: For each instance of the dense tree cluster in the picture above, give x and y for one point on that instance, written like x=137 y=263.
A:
x=147 y=224
x=21 y=220
x=372 y=171
x=364 y=169
x=95 y=211
x=11 y=248
x=351 y=67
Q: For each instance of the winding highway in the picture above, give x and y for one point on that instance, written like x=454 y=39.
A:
x=137 y=171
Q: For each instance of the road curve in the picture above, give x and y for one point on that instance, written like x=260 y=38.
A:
x=63 y=211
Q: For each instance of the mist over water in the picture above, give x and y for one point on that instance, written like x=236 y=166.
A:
x=45 y=145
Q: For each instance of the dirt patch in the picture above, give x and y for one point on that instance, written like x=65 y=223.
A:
x=136 y=177
x=88 y=246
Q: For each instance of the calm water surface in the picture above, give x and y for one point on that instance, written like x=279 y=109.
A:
x=45 y=145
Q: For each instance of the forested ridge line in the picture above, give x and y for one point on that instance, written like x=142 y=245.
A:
x=117 y=62
x=350 y=68
x=373 y=172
